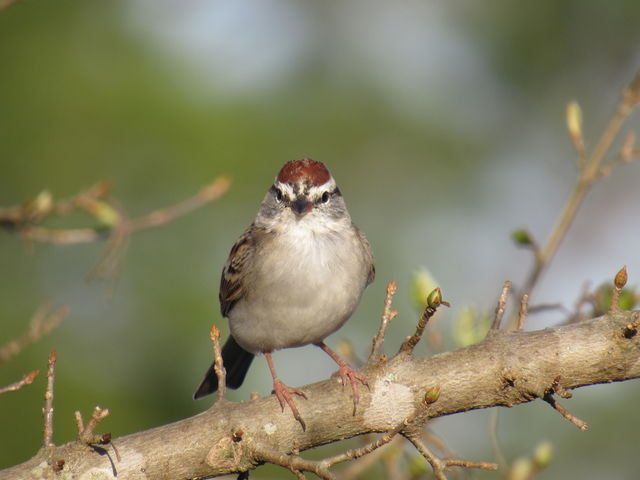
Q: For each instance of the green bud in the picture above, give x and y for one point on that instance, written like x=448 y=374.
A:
x=432 y=395
x=37 y=208
x=521 y=237
x=105 y=213
x=574 y=120
x=422 y=283
x=522 y=469
x=435 y=298
x=543 y=455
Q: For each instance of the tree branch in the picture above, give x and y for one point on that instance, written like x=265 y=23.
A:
x=589 y=172
x=517 y=367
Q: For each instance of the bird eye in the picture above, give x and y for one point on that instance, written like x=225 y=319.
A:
x=278 y=194
x=325 y=197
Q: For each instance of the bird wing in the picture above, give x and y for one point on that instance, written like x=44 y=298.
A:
x=232 y=283
x=368 y=252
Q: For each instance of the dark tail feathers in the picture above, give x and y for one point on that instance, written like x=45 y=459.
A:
x=236 y=361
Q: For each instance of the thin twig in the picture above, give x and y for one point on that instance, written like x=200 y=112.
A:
x=42 y=322
x=493 y=435
x=454 y=462
x=522 y=314
x=79 y=422
x=564 y=412
x=47 y=411
x=23 y=220
x=355 y=453
x=115 y=251
x=387 y=316
x=26 y=380
x=440 y=465
x=618 y=284
x=587 y=175
x=360 y=465
x=557 y=388
x=294 y=463
x=218 y=366
x=163 y=216
x=433 y=302
x=628 y=154
x=6 y=3
x=85 y=433
x=502 y=302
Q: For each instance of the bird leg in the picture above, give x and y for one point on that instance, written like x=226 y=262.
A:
x=347 y=373
x=283 y=393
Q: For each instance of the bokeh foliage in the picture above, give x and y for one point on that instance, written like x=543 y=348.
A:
x=422 y=142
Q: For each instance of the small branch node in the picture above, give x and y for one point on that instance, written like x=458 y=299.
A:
x=631 y=329
x=58 y=465
x=558 y=389
x=85 y=433
x=439 y=465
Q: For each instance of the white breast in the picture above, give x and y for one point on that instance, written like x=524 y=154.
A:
x=305 y=284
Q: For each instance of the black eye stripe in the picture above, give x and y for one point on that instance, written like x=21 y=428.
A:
x=276 y=192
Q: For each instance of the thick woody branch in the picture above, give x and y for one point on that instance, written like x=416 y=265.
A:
x=517 y=367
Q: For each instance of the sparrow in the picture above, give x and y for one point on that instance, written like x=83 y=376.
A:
x=293 y=278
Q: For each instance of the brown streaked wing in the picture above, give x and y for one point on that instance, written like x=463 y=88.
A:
x=368 y=254
x=231 y=282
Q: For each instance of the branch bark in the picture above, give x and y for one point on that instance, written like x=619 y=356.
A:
x=506 y=369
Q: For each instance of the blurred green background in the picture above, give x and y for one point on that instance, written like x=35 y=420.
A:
x=443 y=123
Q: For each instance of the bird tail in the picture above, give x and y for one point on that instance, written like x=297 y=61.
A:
x=236 y=361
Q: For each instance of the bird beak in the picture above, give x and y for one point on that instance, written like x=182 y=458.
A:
x=301 y=205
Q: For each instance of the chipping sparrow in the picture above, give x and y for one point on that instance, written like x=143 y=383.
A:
x=292 y=278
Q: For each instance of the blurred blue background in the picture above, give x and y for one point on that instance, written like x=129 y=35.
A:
x=443 y=123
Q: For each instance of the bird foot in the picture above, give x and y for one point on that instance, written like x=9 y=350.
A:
x=283 y=394
x=349 y=374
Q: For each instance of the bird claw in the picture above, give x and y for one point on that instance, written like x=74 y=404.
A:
x=283 y=394
x=348 y=374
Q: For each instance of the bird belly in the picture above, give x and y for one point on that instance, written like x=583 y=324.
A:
x=303 y=290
